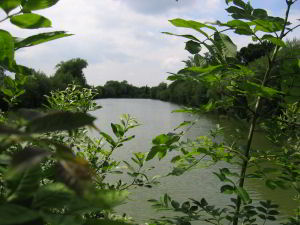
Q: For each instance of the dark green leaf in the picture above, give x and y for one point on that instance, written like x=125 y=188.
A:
x=151 y=154
x=227 y=189
x=260 y=13
x=258 y=90
x=261 y=209
x=31 y=5
x=27 y=158
x=59 y=121
x=11 y=214
x=30 y=21
x=271 y=184
x=274 y=40
x=8 y=5
x=63 y=219
x=175 y=204
x=23 y=184
x=55 y=195
x=104 y=222
x=193 y=47
x=243 y=194
x=40 y=38
x=188 y=36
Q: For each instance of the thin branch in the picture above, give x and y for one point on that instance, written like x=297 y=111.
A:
x=14 y=14
x=291 y=29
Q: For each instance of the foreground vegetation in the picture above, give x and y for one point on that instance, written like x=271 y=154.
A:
x=53 y=172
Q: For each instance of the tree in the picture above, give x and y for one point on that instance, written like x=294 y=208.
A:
x=71 y=71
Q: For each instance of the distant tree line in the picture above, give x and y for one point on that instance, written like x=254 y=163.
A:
x=184 y=92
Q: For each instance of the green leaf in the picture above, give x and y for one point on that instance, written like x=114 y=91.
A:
x=63 y=219
x=55 y=195
x=267 y=26
x=31 y=5
x=8 y=5
x=193 y=47
x=95 y=200
x=175 y=204
x=227 y=189
x=271 y=184
x=155 y=150
x=40 y=38
x=27 y=158
x=258 y=90
x=274 y=40
x=11 y=214
x=117 y=129
x=59 y=121
x=243 y=194
x=129 y=166
x=160 y=139
x=7 y=92
x=109 y=139
x=201 y=70
x=228 y=48
x=104 y=222
x=260 y=13
x=30 y=21
x=188 y=36
x=190 y=24
x=23 y=185
x=6 y=49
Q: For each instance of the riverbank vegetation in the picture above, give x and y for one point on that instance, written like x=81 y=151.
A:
x=53 y=172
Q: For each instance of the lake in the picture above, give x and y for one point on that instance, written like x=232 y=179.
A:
x=156 y=118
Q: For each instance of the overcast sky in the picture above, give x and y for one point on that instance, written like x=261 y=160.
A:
x=122 y=39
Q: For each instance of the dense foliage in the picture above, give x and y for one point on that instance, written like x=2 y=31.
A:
x=53 y=172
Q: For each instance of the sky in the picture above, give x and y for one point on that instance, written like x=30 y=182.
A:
x=123 y=40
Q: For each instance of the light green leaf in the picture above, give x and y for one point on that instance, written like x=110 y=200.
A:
x=11 y=214
x=8 y=5
x=109 y=139
x=190 y=24
x=225 y=44
x=58 y=121
x=30 y=21
x=40 y=38
x=31 y=5
x=201 y=70
x=6 y=49
x=7 y=92
x=267 y=25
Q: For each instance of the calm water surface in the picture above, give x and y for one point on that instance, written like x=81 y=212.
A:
x=156 y=118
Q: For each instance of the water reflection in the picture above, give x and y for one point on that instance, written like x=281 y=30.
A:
x=156 y=118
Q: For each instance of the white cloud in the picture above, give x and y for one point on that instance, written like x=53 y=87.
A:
x=120 y=39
